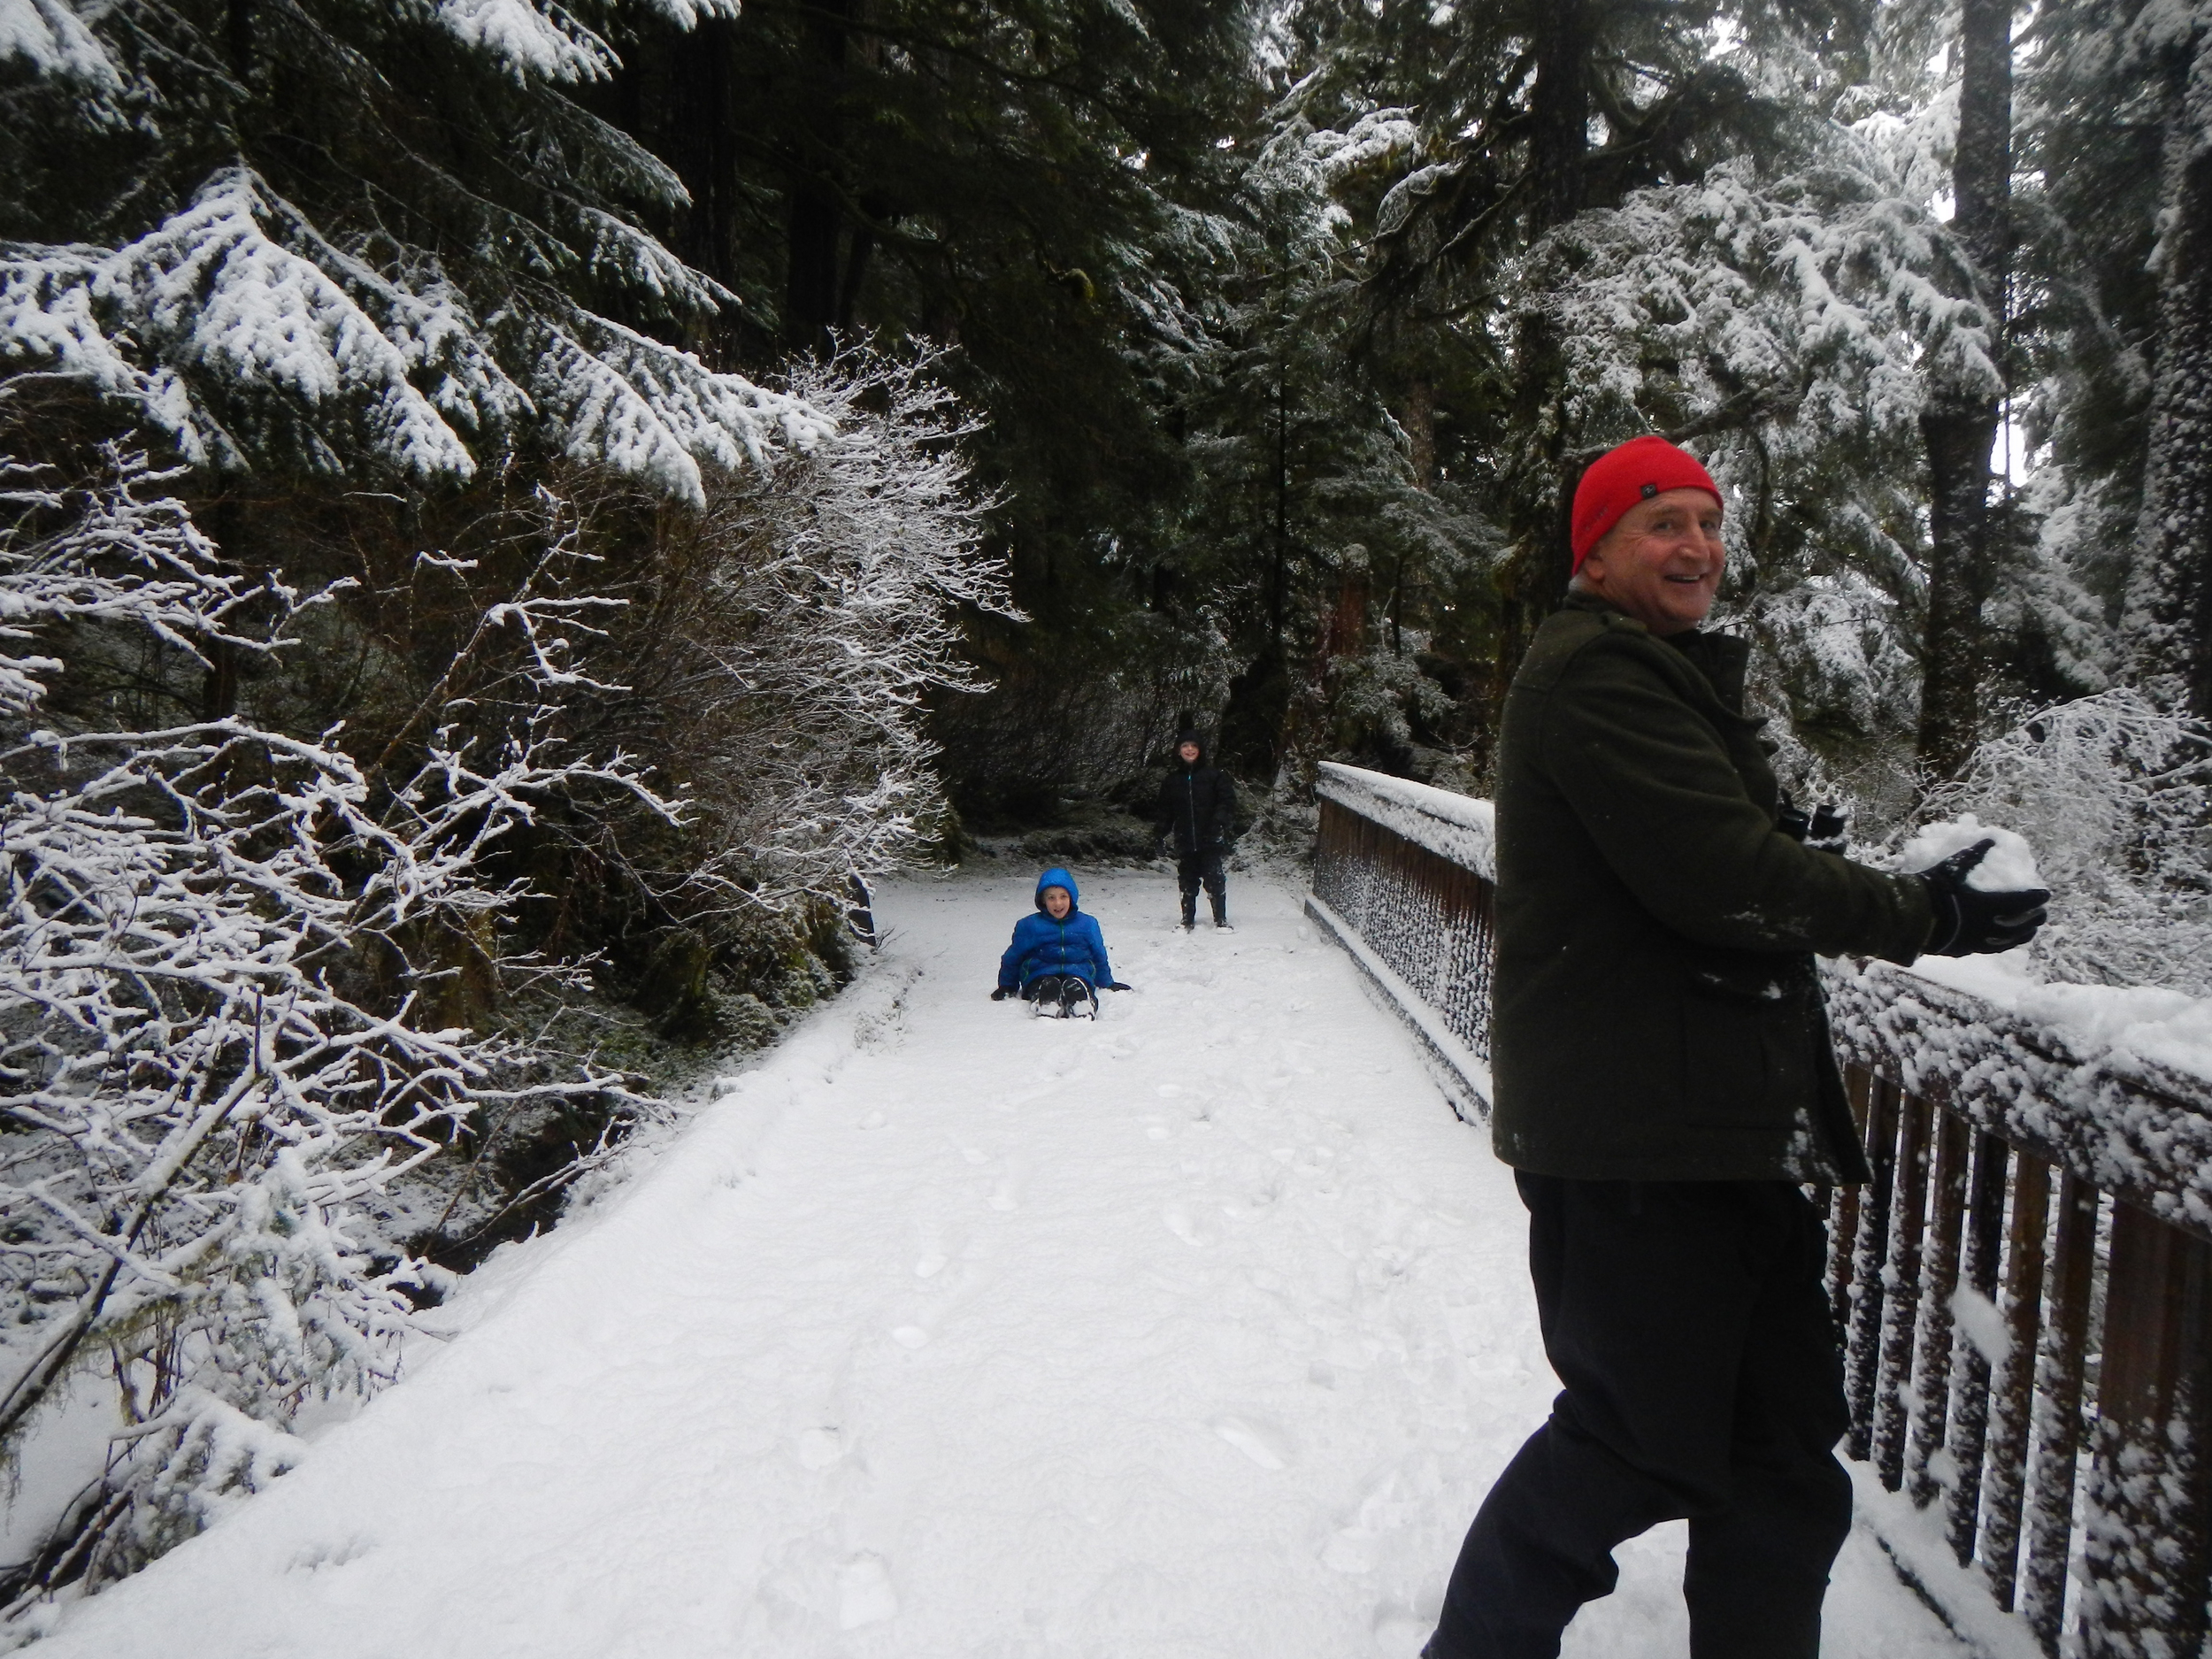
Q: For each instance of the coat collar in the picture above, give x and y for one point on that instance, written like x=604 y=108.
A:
x=1725 y=660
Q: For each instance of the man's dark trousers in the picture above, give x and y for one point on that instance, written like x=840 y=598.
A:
x=1688 y=1323
x=1202 y=865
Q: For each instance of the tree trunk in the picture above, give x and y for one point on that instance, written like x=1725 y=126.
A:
x=1534 y=579
x=817 y=217
x=1417 y=415
x=218 y=683
x=2168 y=625
x=1959 y=434
x=1562 y=116
x=1960 y=424
x=700 y=147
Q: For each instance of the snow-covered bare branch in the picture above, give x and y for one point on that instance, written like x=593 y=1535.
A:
x=218 y=1032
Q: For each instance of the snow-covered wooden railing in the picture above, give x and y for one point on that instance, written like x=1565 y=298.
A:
x=1401 y=878
x=2024 y=1291
x=2049 y=1206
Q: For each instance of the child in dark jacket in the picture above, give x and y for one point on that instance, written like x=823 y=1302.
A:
x=1197 y=817
x=1058 y=956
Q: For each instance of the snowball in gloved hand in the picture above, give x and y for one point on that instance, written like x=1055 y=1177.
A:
x=1971 y=921
x=2008 y=867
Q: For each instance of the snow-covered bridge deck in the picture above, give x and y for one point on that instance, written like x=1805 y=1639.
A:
x=945 y=1332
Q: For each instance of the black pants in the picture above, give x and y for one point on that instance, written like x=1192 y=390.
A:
x=1069 y=990
x=1688 y=1323
x=1202 y=865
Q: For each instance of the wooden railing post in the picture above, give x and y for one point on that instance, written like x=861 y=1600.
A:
x=2058 y=1379
x=2145 y=1544
x=1932 y=1362
x=1901 y=1281
x=2012 y=1401
x=1869 y=1260
x=1970 y=1378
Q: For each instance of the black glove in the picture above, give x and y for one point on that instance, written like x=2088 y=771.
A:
x=1970 y=922
x=1826 y=829
x=1001 y=993
x=1115 y=985
x=1830 y=831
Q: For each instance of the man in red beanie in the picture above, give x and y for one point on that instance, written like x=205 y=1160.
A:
x=1664 y=1086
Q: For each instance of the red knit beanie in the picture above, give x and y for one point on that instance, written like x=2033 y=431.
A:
x=1617 y=481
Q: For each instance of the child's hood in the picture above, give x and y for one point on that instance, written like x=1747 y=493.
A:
x=1056 y=877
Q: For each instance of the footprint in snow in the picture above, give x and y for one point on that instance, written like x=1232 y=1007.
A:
x=1352 y=1550
x=1187 y=1226
x=1400 y=1630
x=930 y=1265
x=864 y=1595
x=909 y=1336
x=818 y=1448
x=1268 y=1447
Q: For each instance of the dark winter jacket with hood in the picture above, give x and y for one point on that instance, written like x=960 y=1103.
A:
x=1041 y=946
x=1198 y=803
x=1656 y=1014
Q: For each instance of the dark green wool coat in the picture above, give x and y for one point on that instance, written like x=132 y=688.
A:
x=1657 y=1015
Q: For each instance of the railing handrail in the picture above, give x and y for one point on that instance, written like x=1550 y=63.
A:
x=1459 y=827
x=2125 y=1124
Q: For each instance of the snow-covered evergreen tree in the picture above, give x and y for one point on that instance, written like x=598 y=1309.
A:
x=358 y=239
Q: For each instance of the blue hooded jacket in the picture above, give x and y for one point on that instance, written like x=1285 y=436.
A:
x=1041 y=945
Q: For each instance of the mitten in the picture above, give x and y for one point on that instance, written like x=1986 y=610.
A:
x=1970 y=922
x=1001 y=993
x=1116 y=985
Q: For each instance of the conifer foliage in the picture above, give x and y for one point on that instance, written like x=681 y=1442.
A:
x=357 y=238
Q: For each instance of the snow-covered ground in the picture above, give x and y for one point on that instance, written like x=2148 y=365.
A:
x=947 y=1333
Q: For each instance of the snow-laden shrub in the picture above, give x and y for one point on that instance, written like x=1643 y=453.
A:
x=802 y=622
x=2111 y=793
x=219 y=1040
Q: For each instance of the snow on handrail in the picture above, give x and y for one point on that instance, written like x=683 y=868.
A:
x=1455 y=827
x=2127 y=1123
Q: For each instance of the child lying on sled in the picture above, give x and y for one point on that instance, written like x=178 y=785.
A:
x=1058 y=956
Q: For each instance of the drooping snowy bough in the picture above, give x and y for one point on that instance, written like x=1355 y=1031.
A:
x=2042 y=1193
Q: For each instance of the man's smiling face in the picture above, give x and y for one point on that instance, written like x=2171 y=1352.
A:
x=1661 y=563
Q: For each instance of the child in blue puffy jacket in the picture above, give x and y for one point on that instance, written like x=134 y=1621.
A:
x=1058 y=956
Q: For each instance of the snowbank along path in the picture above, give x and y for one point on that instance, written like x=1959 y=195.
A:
x=946 y=1332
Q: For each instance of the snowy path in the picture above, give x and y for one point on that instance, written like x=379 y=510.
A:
x=948 y=1332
